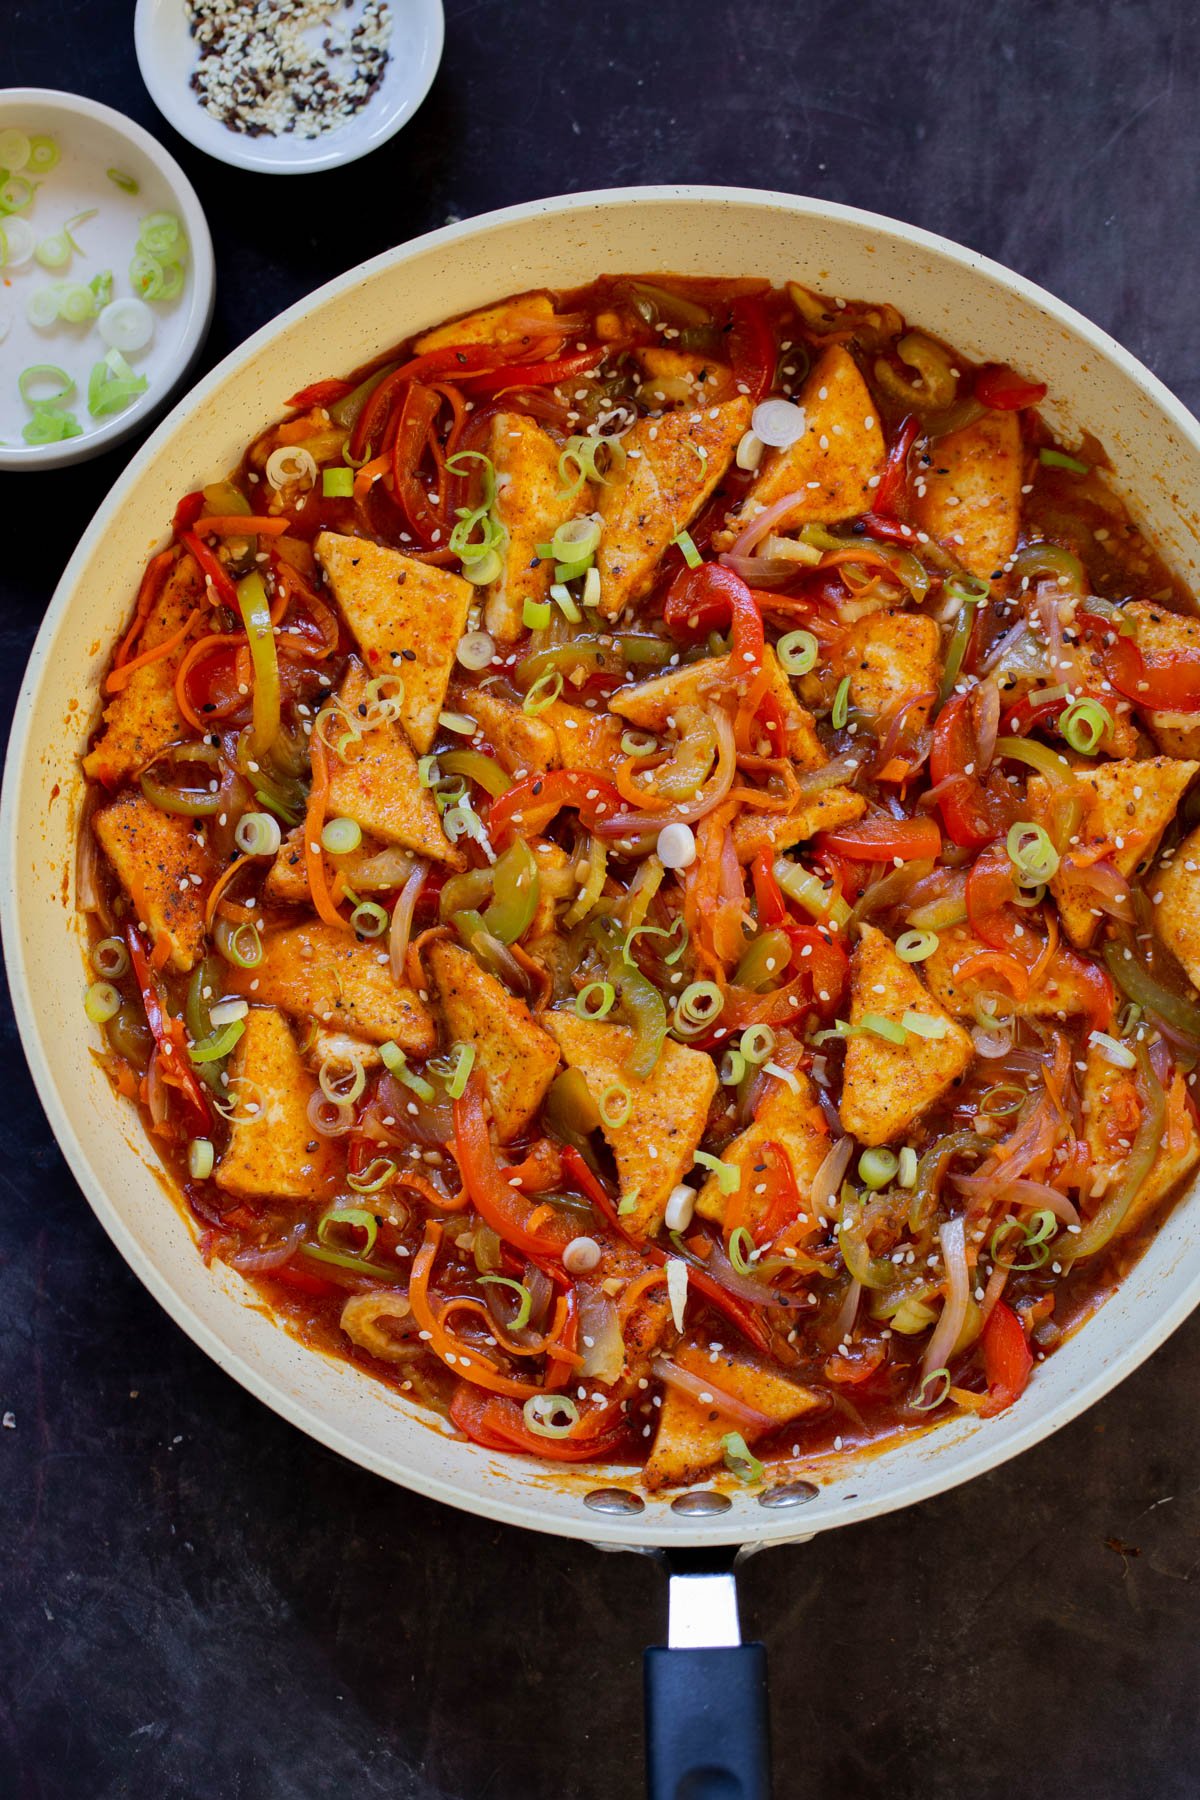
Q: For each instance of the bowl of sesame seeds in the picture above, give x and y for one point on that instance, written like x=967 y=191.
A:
x=287 y=87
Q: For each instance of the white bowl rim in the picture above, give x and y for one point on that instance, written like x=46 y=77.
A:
x=986 y=1451
x=200 y=306
x=179 y=108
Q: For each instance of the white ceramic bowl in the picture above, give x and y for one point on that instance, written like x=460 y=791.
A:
x=987 y=311
x=93 y=139
x=166 y=56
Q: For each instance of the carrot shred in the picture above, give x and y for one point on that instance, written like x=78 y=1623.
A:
x=218 y=888
x=633 y=1293
x=1007 y=967
x=118 y=677
x=152 y=584
x=216 y=640
x=314 y=820
x=241 y=525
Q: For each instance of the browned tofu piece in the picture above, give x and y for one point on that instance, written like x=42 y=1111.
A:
x=652 y=705
x=792 y=1120
x=274 y=1153
x=407 y=618
x=892 y=658
x=531 y=504
x=1176 y=891
x=683 y=375
x=1128 y=807
x=318 y=973
x=656 y=1145
x=371 y=869
x=523 y=744
x=688 y=1442
x=1063 y=993
x=972 y=498
x=514 y=1056
x=163 y=869
x=673 y=466
x=1160 y=631
x=378 y=787
x=832 y=465
x=586 y=739
x=1112 y=1113
x=142 y=719
x=755 y=831
x=506 y=324
x=553 y=885
x=343 y=1048
x=886 y=1086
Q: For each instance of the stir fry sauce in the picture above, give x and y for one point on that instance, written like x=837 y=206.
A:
x=645 y=880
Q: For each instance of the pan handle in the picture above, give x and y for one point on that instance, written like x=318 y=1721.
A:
x=707 y=1730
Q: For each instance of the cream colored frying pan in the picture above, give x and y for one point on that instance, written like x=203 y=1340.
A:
x=990 y=313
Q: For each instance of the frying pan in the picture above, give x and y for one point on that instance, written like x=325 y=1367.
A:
x=706 y=1692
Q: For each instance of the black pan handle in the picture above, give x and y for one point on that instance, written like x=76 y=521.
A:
x=706 y=1724
x=707 y=1730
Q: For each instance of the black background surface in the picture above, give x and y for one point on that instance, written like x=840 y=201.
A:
x=196 y=1601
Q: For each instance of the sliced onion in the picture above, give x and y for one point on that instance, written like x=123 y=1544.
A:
x=948 y=1329
x=402 y=917
x=835 y=773
x=827 y=1182
x=705 y=1393
x=764 y=522
x=843 y=1325
x=1023 y=1193
x=329 y=1117
x=760 y=571
x=779 y=423
x=630 y=824
x=600 y=1337
x=987 y=726
x=1110 y=890
x=992 y=1044
x=269 y=1256
x=156 y=1092
x=291 y=463
x=126 y=325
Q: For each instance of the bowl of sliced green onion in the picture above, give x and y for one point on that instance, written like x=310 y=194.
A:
x=106 y=268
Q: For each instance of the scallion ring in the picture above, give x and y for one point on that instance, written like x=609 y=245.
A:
x=341 y=836
x=396 y=1063
x=797 y=652
x=877 y=1167
x=535 y=614
x=599 y=1007
x=110 y=958
x=757 y=1043
x=369 y=919
x=342 y=1079
x=1085 y=725
x=700 y=1003
x=741 y=1461
x=201 y=1159
x=357 y=1218
x=377 y=1175
x=741 y=1250
x=929 y=1394
x=638 y=743
x=62 y=385
x=550 y=1415
x=729 y=1176
x=238 y=944
x=841 y=704
x=575 y=541
x=1031 y=853
x=218 y=1044
x=102 y=1002
x=543 y=693
x=456 y=1086
x=258 y=834
x=915 y=946
x=733 y=1068
x=687 y=549
x=520 y=1318
x=922 y=1026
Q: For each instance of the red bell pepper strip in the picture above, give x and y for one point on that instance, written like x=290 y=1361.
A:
x=784 y=1204
x=886 y=840
x=1004 y=390
x=991 y=887
x=418 y=410
x=192 y=507
x=315 y=1286
x=1156 y=680
x=889 y=531
x=893 y=483
x=973 y=814
x=498 y=1423
x=541 y=796
x=1007 y=1360
x=1102 y=994
x=710 y=598
x=753 y=351
x=543 y=374
x=498 y=1205
x=322 y=393
x=768 y=895
x=455 y=360
x=171 y=1039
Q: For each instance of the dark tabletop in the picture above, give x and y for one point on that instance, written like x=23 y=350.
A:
x=196 y=1601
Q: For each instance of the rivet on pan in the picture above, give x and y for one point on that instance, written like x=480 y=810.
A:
x=614 y=1500
x=791 y=1493
x=693 y=1504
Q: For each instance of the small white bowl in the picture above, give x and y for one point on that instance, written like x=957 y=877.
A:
x=93 y=139
x=166 y=55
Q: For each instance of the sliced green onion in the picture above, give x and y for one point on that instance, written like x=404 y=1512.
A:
x=691 y=556
x=638 y=743
x=43 y=155
x=146 y=276
x=700 y=1002
x=379 y=1172
x=159 y=234
x=929 y=1394
x=255 y=609
x=110 y=958
x=63 y=385
x=54 y=252
x=877 y=1167
x=238 y=944
x=757 y=1043
x=1036 y=755
x=337 y=484
x=341 y=1079
x=915 y=946
x=1113 y=1050
x=1031 y=852
x=1085 y=725
x=797 y=652
x=201 y=1158
x=787 y=1076
x=733 y=1068
x=921 y=1025
x=883 y=1028
x=341 y=836
x=127 y=183
x=100 y=288
x=678 y=924
x=484 y=570
x=396 y=1063
x=1058 y=459
x=41 y=308
x=810 y=892
x=741 y=1462
x=356 y=1217
x=841 y=704
x=16 y=194
x=102 y=1002
x=575 y=542
x=729 y=1176
x=428 y=771
x=456 y=1086
x=615 y=1105
x=520 y=1318
x=535 y=614
x=741 y=1249
x=600 y=1008
x=580 y=454
x=257 y=834
x=112 y=384
x=217 y=1046
x=369 y=919
x=14 y=149
x=550 y=1415
x=76 y=303
x=543 y=693
x=562 y=597
x=906 y=1169
x=50 y=425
